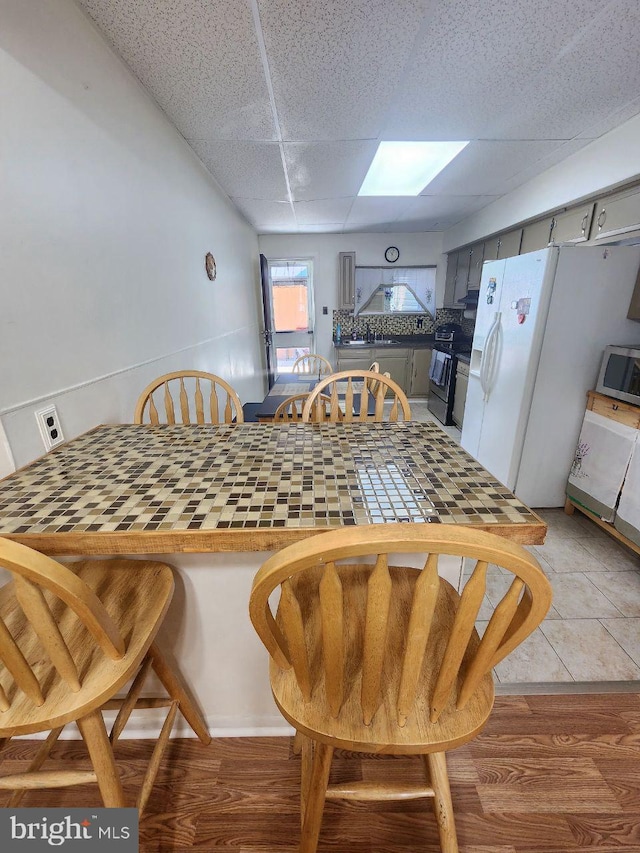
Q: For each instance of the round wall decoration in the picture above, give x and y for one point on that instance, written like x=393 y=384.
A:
x=210 y=266
x=392 y=254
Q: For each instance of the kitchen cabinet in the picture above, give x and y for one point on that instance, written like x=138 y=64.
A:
x=346 y=279
x=536 y=235
x=462 y=381
x=604 y=481
x=491 y=249
x=475 y=266
x=634 y=307
x=395 y=362
x=455 y=287
x=617 y=214
x=572 y=226
x=419 y=379
x=509 y=243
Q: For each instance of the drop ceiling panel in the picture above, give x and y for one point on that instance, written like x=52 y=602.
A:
x=483 y=168
x=323 y=211
x=335 y=65
x=369 y=210
x=556 y=156
x=267 y=216
x=245 y=169
x=327 y=169
x=439 y=212
x=198 y=58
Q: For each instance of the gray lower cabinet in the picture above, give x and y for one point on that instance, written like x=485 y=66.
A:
x=462 y=381
x=397 y=361
x=420 y=364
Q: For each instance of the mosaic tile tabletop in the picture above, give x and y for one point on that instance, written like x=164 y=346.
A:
x=144 y=479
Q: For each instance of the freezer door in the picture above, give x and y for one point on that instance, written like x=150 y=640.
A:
x=523 y=309
x=488 y=299
x=473 y=412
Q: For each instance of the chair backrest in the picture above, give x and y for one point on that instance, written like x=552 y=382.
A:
x=214 y=400
x=351 y=391
x=291 y=409
x=375 y=627
x=374 y=367
x=55 y=603
x=316 y=365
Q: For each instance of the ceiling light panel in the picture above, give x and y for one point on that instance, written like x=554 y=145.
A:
x=406 y=168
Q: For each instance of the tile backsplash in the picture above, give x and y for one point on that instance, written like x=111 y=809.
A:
x=402 y=324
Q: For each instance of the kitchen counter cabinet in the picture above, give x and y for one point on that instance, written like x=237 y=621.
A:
x=462 y=381
x=355 y=358
x=419 y=373
x=395 y=362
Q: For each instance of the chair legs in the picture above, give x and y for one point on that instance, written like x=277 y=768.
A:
x=315 y=795
x=436 y=767
x=177 y=688
x=95 y=736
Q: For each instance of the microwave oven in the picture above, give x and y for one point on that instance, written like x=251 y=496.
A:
x=620 y=374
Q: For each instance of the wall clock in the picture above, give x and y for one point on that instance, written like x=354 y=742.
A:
x=210 y=266
x=392 y=254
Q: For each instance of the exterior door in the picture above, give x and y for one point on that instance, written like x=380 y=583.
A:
x=268 y=321
x=290 y=297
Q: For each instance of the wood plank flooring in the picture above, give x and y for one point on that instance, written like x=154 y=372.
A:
x=548 y=774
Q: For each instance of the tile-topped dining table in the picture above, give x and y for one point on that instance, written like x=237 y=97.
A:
x=214 y=500
x=289 y=384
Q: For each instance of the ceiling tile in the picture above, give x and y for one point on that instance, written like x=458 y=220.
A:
x=614 y=119
x=323 y=211
x=327 y=169
x=371 y=210
x=199 y=59
x=245 y=169
x=482 y=168
x=267 y=216
x=556 y=156
x=439 y=211
x=335 y=65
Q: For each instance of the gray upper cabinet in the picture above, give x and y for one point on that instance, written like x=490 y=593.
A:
x=491 y=249
x=509 y=243
x=536 y=235
x=456 y=280
x=346 y=279
x=634 y=307
x=475 y=266
x=617 y=215
x=573 y=226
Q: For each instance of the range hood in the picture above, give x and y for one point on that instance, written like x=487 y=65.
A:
x=470 y=300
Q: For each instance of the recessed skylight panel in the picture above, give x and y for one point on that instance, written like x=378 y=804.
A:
x=406 y=168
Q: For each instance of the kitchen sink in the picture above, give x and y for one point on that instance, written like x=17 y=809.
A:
x=353 y=343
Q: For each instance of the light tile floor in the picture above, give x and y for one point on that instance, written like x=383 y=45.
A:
x=592 y=632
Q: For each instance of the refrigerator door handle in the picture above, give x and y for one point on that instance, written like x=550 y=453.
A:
x=489 y=356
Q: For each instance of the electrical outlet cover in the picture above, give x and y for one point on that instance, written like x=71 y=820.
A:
x=49 y=425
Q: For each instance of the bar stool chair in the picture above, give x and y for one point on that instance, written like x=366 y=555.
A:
x=377 y=658
x=70 y=639
x=220 y=405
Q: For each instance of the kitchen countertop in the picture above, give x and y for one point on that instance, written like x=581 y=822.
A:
x=413 y=341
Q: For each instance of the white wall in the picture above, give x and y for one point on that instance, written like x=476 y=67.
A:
x=612 y=159
x=105 y=220
x=415 y=249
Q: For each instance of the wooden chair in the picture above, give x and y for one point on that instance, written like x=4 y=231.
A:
x=340 y=388
x=291 y=409
x=222 y=404
x=70 y=639
x=375 y=658
x=316 y=365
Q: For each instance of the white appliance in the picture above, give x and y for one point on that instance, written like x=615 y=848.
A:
x=543 y=321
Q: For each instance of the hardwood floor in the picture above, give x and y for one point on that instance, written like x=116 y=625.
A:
x=548 y=774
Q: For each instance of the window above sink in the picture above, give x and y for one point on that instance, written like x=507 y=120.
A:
x=395 y=290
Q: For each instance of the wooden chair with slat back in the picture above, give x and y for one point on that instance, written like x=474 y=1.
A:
x=70 y=640
x=214 y=400
x=358 y=387
x=290 y=410
x=378 y=658
x=312 y=363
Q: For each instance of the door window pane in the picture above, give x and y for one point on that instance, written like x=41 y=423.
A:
x=287 y=355
x=290 y=289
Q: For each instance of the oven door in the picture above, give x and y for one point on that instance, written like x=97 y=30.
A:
x=440 y=400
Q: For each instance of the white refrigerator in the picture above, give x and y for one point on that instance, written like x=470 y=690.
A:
x=542 y=323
